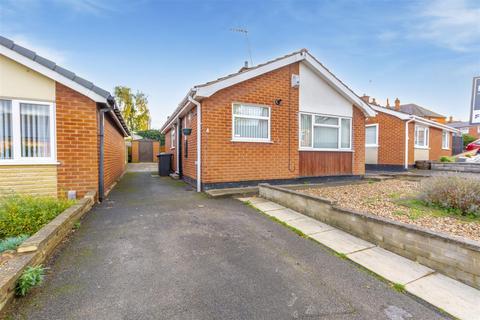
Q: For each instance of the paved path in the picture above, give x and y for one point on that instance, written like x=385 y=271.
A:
x=155 y=249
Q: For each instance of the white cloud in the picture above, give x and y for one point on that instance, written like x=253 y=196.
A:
x=454 y=24
x=57 y=56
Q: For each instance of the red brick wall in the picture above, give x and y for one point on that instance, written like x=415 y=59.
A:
x=358 y=128
x=474 y=131
x=171 y=150
x=435 y=144
x=77 y=145
x=188 y=161
x=114 y=153
x=224 y=160
x=391 y=139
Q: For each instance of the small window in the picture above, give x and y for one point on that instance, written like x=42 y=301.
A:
x=172 y=138
x=35 y=130
x=371 y=135
x=421 y=137
x=251 y=123
x=325 y=132
x=6 y=138
x=445 y=140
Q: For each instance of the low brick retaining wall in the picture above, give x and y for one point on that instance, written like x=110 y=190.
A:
x=456 y=166
x=456 y=258
x=39 y=246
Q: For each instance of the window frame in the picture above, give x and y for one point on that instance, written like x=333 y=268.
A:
x=17 y=135
x=313 y=125
x=172 y=138
x=369 y=145
x=269 y=119
x=427 y=137
x=445 y=134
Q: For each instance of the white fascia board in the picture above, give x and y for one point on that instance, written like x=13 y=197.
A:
x=208 y=90
x=400 y=115
x=339 y=86
x=49 y=73
x=434 y=124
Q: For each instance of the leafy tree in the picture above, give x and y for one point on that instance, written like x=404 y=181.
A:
x=134 y=108
x=153 y=134
x=468 y=139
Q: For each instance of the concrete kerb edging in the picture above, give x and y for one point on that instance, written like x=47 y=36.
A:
x=454 y=257
x=39 y=246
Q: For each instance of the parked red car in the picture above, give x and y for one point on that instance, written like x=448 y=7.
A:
x=474 y=145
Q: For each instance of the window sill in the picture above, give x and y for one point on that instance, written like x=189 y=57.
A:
x=251 y=141
x=446 y=149
x=328 y=150
x=371 y=146
x=423 y=148
x=28 y=163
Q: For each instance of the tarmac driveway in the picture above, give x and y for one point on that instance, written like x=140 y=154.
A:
x=155 y=249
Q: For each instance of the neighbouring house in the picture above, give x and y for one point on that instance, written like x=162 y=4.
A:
x=58 y=132
x=465 y=127
x=395 y=139
x=416 y=110
x=286 y=119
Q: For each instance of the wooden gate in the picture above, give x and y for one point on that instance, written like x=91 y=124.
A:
x=145 y=151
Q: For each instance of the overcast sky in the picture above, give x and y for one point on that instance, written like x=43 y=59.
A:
x=423 y=52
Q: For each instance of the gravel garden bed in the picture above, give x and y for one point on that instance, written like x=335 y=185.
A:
x=395 y=199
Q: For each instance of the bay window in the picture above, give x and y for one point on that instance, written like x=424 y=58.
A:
x=250 y=123
x=445 y=140
x=421 y=137
x=27 y=132
x=320 y=132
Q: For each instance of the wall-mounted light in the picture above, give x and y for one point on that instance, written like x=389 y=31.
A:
x=278 y=102
x=187 y=131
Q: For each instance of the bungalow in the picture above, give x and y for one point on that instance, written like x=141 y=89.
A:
x=286 y=119
x=465 y=127
x=396 y=139
x=58 y=132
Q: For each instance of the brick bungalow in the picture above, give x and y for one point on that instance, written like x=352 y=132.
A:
x=388 y=134
x=465 y=127
x=58 y=132
x=286 y=119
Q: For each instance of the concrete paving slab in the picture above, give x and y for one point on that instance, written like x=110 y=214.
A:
x=227 y=192
x=454 y=297
x=341 y=241
x=309 y=226
x=390 y=265
x=285 y=215
x=252 y=200
x=268 y=205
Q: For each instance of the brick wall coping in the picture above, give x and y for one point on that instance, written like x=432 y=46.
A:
x=39 y=246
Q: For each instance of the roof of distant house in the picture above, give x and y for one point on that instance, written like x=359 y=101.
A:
x=416 y=110
x=460 y=124
x=61 y=75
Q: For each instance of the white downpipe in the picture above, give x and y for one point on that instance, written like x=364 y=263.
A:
x=406 y=142
x=199 y=142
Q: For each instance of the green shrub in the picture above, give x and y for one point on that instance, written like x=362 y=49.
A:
x=21 y=214
x=447 y=159
x=468 y=139
x=31 y=277
x=12 y=243
x=459 y=195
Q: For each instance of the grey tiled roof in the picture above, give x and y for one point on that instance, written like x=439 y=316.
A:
x=64 y=72
x=416 y=110
x=460 y=124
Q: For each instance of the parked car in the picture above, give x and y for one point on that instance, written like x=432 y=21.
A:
x=474 y=145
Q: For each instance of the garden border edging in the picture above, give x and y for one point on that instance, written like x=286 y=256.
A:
x=454 y=257
x=39 y=246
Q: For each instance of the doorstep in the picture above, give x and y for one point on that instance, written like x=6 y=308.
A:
x=445 y=293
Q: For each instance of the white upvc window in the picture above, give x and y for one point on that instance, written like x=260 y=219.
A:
x=371 y=135
x=445 y=140
x=172 y=138
x=250 y=123
x=325 y=132
x=27 y=132
x=421 y=137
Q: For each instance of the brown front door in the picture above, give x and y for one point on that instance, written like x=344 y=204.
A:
x=145 y=150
